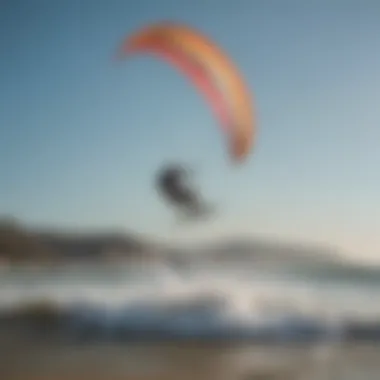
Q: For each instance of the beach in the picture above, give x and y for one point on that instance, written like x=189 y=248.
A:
x=40 y=361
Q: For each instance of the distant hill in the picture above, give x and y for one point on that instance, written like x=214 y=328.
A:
x=306 y=261
x=21 y=245
x=95 y=245
x=258 y=250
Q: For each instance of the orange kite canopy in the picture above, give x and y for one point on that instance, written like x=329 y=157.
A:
x=211 y=71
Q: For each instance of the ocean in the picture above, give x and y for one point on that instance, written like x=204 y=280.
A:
x=224 y=321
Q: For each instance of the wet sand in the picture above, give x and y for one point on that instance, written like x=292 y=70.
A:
x=185 y=361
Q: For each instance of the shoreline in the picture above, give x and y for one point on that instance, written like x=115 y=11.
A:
x=183 y=361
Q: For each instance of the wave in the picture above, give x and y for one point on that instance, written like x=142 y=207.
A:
x=157 y=302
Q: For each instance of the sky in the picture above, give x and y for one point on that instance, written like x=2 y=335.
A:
x=82 y=135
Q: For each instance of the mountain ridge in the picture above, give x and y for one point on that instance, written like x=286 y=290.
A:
x=20 y=244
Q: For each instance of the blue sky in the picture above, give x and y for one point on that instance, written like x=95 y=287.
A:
x=82 y=135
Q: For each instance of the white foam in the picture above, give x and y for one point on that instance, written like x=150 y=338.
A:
x=246 y=297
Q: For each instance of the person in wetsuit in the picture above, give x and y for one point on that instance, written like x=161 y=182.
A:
x=173 y=184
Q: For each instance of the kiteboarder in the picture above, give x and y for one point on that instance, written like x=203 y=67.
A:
x=173 y=183
x=215 y=75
